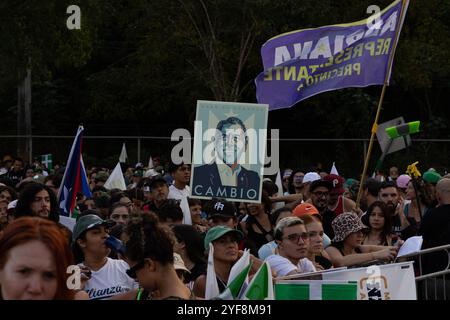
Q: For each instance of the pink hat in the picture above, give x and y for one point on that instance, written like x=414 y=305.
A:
x=402 y=181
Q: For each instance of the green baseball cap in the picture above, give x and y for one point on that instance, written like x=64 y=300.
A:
x=431 y=176
x=219 y=231
x=87 y=222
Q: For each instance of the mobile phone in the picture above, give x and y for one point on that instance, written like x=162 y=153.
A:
x=116 y=245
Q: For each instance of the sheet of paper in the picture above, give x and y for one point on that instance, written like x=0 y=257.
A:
x=411 y=245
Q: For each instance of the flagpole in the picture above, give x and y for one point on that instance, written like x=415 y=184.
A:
x=380 y=103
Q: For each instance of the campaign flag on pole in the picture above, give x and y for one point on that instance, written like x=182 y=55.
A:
x=74 y=179
x=261 y=286
x=46 y=160
x=303 y=63
x=237 y=286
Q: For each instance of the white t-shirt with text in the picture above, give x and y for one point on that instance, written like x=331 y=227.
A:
x=110 y=280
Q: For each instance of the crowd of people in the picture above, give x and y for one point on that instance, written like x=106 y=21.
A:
x=151 y=241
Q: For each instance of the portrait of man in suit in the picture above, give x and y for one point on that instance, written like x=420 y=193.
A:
x=226 y=176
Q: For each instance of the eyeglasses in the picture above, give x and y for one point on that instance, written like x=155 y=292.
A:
x=321 y=194
x=294 y=237
x=132 y=271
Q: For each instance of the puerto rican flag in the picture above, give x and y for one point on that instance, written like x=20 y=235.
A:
x=75 y=179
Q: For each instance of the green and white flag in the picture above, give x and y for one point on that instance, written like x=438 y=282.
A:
x=237 y=286
x=46 y=160
x=239 y=265
x=315 y=290
x=238 y=278
x=261 y=286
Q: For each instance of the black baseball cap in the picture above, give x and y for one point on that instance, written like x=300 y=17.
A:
x=320 y=183
x=221 y=208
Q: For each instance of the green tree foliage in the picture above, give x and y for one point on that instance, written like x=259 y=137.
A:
x=139 y=66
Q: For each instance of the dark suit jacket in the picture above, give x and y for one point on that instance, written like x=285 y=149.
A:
x=208 y=176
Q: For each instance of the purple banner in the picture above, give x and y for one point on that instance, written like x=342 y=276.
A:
x=301 y=64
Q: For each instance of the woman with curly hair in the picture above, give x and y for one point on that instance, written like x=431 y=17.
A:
x=149 y=248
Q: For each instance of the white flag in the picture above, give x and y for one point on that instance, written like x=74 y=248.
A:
x=116 y=179
x=212 y=288
x=150 y=163
x=334 y=170
x=280 y=190
x=123 y=154
x=184 y=205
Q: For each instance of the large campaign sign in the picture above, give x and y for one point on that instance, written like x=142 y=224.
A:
x=394 y=281
x=229 y=151
x=303 y=63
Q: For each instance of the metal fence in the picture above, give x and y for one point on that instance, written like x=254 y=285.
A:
x=348 y=154
x=434 y=285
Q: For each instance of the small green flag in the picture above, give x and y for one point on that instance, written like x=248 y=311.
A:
x=261 y=286
x=235 y=288
x=46 y=160
x=403 y=129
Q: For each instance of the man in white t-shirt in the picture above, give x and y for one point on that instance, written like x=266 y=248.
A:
x=292 y=247
x=179 y=190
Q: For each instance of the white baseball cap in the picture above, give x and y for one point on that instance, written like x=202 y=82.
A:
x=310 y=177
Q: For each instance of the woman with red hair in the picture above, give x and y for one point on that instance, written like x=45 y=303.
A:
x=34 y=256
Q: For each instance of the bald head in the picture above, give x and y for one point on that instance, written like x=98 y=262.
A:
x=443 y=191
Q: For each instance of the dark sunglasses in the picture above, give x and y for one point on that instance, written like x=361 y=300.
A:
x=132 y=271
